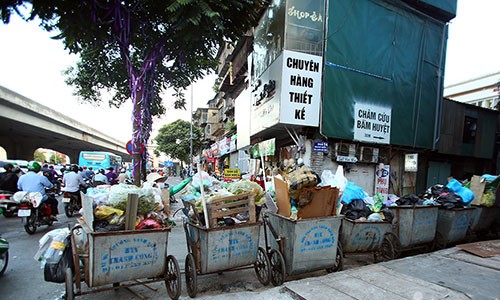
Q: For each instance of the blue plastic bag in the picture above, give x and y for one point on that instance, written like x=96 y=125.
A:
x=466 y=194
x=352 y=192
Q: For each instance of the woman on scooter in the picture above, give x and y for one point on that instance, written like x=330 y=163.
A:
x=34 y=182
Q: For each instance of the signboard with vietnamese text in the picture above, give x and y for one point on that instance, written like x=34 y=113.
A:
x=372 y=123
x=320 y=147
x=232 y=173
x=300 y=89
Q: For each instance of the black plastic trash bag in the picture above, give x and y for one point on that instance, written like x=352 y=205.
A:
x=450 y=200
x=409 y=199
x=56 y=271
x=357 y=209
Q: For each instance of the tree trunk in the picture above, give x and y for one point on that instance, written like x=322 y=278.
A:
x=136 y=141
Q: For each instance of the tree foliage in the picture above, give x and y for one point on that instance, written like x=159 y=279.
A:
x=39 y=156
x=134 y=49
x=173 y=140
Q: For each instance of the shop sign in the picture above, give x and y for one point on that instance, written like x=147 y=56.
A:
x=382 y=177
x=215 y=149
x=223 y=146
x=265 y=148
x=372 y=123
x=301 y=89
x=320 y=147
x=232 y=173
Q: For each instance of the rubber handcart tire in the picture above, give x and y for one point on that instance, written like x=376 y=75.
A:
x=4 y=259
x=173 y=277
x=278 y=268
x=191 y=276
x=262 y=266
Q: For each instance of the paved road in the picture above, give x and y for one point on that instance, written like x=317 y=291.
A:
x=446 y=274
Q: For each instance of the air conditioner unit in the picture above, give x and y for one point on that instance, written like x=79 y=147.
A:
x=368 y=155
x=342 y=149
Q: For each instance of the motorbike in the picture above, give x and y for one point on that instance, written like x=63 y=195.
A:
x=4 y=255
x=7 y=204
x=72 y=203
x=33 y=211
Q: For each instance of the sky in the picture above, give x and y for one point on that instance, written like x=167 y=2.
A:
x=31 y=64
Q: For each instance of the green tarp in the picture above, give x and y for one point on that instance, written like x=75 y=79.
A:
x=383 y=54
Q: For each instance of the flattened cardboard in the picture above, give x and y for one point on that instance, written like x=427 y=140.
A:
x=477 y=187
x=282 y=198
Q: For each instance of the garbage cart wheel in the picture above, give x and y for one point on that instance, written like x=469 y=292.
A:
x=4 y=261
x=191 y=279
x=388 y=247
x=262 y=266
x=439 y=241
x=469 y=236
x=278 y=269
x=70 y=293
x=339 y=260
x=173 y=277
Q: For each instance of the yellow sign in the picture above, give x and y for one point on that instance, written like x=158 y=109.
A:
x=232 y=173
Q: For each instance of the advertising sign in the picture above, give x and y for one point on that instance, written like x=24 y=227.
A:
x=300 y=89
x=372 y=123
x=382 y=177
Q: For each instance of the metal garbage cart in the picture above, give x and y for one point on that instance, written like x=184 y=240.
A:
x=121 y=256
x=453 y=225
x=484 y=220
x=365 y=236
x=414 y=225
x=301 y=246
x=217 y=249
x=121 y=259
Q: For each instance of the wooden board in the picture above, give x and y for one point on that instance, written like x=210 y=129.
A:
x=231 y=206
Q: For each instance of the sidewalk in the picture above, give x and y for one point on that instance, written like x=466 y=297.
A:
x=447 y=274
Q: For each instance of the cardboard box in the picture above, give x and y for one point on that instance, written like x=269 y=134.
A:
x=477 y=187
x=323 y=202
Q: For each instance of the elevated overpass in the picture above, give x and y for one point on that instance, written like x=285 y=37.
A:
x=26 y=125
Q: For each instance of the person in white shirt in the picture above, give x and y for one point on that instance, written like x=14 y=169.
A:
x=72 y=181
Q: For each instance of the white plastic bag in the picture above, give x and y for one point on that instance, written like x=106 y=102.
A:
x=338 y=180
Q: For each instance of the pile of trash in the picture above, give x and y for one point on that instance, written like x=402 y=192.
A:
x=110 y=202
x=216 y=189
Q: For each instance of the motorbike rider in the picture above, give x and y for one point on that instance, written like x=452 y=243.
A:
x=34 y=182
x=100 y=178
x=111 y=175
x=8 y=179
x=72 y=181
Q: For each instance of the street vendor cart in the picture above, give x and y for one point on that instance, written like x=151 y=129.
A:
x=119 y=259
x=215 y=247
